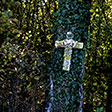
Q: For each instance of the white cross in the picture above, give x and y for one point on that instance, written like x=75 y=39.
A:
x=68 y=44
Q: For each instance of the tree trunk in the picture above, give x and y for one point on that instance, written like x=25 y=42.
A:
x=72 y=16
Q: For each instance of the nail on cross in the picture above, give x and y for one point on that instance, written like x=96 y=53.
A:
x=68 y=44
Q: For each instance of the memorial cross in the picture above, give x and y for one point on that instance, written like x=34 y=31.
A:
x=68 y=44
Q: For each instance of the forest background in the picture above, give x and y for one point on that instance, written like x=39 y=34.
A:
x=25 y=50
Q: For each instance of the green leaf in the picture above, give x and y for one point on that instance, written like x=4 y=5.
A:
x=99 y=109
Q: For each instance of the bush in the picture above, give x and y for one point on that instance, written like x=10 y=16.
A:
x=20 y=76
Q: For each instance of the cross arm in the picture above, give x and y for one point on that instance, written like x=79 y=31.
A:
x=78 y=45
x=68 y=43
x=58 y=43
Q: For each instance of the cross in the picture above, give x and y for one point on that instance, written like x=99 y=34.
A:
x=68 y=44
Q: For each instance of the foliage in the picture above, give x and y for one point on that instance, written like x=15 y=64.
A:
x=20 y=76
x=98 y=63
x=8 y=22
x=26 y=42
x=25 y=48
